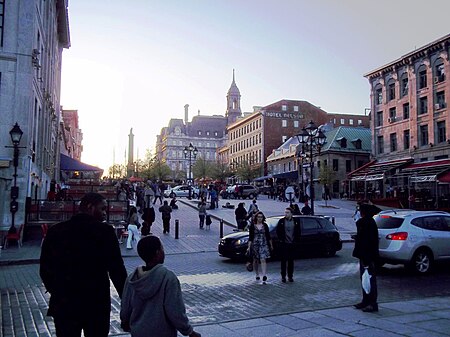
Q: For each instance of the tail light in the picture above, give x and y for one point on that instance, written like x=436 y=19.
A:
x=400 y=236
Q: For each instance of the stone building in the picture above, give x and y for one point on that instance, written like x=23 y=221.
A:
x=33 y=34
x=71 y=135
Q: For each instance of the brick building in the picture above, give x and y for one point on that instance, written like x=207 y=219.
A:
x=71 y=135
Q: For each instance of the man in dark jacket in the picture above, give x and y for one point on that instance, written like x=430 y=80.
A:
x=288 y=232
x=165 y=210
x=241 y=216
x=366 y=250
x=77 y=259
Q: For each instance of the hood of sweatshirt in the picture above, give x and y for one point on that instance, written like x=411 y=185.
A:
x=148 y=283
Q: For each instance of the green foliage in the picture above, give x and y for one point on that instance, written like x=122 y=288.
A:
x=220 y=171
x=117 y=171
x=202 y=168
x=247 y=172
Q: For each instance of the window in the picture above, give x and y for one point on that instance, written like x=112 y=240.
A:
x=406 y=111
x=342 y=121
x=283 y=139
x=284 y=123
x=295 y=108
x=379 y=119
x=360 y=122
x=357 y=143
x=441 y=136
x=310 y=224
x=350 y=121
x=284 y=107
x=379 y=96
x=392 y=113
x=348 y=166
x=336 y=186
x=440 y=100
x=2 y=20
x=422 y=79
x=380 y=144
x=216 y=133
x=343 y=142
x=207 y=133
x=335 y=164
x=199 y=133
x=391 y=91
x=423 y=105
x=423 y=135
x=404 y=85
x=393 y=141
x=296 y=124
x=406 y=139
x=439 y=72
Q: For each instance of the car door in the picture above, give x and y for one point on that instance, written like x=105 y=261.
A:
x=183 y=191
x=436 y=237
x=310 y=235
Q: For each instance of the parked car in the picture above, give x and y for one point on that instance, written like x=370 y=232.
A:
x=414 y=238
x=181 y=191
x=318 y=235
x=248 y=191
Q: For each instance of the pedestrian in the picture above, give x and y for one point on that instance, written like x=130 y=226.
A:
x=133 y=229
x=253 y=209
x=149 y=194
x=78 y=257
x=241 y=216
x=288 y=233
x=165 y=210
x=152 y=303
x=366 y=250
x=306 y=210
x=202 y=213
x=148 y=217
x=213 y=197
x=158 y=195
x=357 y=214
x=173 y=203
x=260 y=243
x=295 y=209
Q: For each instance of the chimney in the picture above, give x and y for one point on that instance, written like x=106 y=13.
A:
x=186 y=114
x=199 y=112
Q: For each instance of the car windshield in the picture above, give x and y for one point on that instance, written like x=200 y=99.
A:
x=388 y=222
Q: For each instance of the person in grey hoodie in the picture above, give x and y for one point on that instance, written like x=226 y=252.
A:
x=152 y=303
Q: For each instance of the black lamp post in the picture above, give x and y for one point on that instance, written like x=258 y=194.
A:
x=313 y=138
x=189 y=152
x=16 y=135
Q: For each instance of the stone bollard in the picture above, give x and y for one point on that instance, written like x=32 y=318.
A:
x=221 y=228
x=177 y=228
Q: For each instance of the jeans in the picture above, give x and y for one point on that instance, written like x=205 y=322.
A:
x=166 y=225
x=202 y=220
x=133 y=236
x=371 y=298
x=287 y=253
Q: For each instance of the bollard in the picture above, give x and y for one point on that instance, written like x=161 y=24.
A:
x=221 y=228
x=177 y=228
x=333 y=221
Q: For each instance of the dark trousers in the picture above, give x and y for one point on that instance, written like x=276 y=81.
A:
x=166 y=225
x=372 y=297
x=160 y=199
x=287 y=257
x=93 y=325
x=202 y=220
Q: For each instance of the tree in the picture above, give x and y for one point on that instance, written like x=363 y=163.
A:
x=327 y=177
x=117 y=171
x=202 y=168
x=248 y=172
x=159 y=170
x=220 y=171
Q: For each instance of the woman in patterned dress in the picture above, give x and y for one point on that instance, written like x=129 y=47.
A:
x=261 y=244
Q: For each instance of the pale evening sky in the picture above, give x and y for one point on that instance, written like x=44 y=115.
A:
x=135 y=64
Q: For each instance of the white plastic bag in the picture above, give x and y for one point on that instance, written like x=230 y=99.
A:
x=365 y=280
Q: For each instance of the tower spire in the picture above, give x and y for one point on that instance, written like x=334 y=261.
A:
x=233 y=75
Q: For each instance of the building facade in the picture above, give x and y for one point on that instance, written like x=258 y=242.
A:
x=71 y=134
x=33 y=34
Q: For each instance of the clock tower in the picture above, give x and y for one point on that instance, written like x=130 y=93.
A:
x=233 y=103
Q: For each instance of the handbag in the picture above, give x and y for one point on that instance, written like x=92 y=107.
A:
x=365 y=280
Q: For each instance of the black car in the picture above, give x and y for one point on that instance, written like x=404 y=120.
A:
x=318 y=235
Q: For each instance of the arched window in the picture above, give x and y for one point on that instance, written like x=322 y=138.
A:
x=439 y=71
x=391 y=89
x=378 y=94
x=422 y=77
x=404 y=85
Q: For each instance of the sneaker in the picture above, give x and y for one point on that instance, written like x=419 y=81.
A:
x=360 y=305
x=257 y=278
x=283 y=279
x=264 y=279
x=290 y=279
x=371 y=308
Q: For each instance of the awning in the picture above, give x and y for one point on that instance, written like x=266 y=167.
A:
x=287 y=175
x=263 y=178
x=70 y=164
x=376 y=170
x=444 y=178
x=425 y=172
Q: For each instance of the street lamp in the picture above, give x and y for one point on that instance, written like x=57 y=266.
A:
x=313 y=138
x=16 y=135
x=189 y=152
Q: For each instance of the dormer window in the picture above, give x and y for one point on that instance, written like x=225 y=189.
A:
x=199 y=133
x=207 y=133
x=342 y=142
x=357 y=143
x=284 y=107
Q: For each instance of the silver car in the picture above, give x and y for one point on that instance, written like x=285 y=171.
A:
x=181 y=191
x=414 y=238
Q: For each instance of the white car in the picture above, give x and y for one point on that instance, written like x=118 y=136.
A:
x=413 y=238
x=181 y=191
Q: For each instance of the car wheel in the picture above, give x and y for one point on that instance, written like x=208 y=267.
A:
x=172 y=195
x=329 y=251
x=422 y=261
x=251 y=196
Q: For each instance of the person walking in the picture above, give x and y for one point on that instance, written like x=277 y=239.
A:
x=158 y=195
x=260 y=243
x=241 y=216
x=288 y=233
x=152 y=303
x=133 y=229
x=165 y=210
x=306 y=210
x=202 y=213
x=149 y=194
x=148 y=218
x=253 y=209
x=366 y=250
x=78 y=258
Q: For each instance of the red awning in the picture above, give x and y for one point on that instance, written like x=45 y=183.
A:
x=444 y=178
x=376 y=170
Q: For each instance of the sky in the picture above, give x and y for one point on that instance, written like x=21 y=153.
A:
x=135 y=64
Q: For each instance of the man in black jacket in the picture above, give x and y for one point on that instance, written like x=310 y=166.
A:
x=366 y=250
x=77 y=259
x=288 y=232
